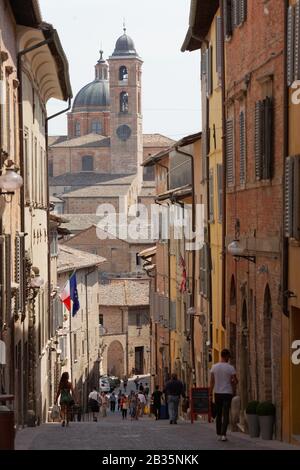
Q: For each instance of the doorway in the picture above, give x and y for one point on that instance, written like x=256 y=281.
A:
x=139 y=360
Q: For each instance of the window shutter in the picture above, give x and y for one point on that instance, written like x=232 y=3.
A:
x=220 y=192
x=288 y=198
x=242 y=148
x=290 y=45
x=229 y=153
x=235 y=13
x=204 y=154
x=209 y=71
x=211 y=195
x=219 y=47
x=243 y=11
x=268 y=138
x=203 y=64
x=297 y=42
x=6 y=279
x=227 y=5
x=258 y=129
x=296 y=198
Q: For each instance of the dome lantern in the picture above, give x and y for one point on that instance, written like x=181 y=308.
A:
x=101 y=68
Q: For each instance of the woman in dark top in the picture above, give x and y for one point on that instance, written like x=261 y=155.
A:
x=156 y=397
x=65 y=390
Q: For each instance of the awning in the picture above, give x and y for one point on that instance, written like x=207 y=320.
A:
x=177 y=193
x=148 y=252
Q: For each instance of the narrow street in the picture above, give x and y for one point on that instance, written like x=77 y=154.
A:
x=112 y=433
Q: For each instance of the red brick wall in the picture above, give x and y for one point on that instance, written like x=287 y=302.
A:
x=254 y=69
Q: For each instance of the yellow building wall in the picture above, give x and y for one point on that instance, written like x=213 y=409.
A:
x=215 y=158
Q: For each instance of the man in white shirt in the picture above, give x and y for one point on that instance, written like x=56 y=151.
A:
x=142 y=399
x=223 y=381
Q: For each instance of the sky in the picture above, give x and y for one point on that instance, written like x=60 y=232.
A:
x=171 y=79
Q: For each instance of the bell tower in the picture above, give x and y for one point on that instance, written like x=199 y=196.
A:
x=126 y=122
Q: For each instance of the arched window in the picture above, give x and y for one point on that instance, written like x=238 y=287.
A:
x=96 y=127
x=87 y=163
x=124 y=102
x=268 y=392
x=77 y=129
x=232 y=292
x=123 y=73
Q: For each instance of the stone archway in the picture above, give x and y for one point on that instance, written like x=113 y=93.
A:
x=115 y=359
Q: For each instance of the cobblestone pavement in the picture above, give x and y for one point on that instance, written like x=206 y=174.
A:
x=112 y=433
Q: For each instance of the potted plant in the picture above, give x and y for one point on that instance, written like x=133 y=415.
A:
x=252 y=418
x=266 y=414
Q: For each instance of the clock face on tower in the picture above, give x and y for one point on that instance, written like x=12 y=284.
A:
x=124 y=132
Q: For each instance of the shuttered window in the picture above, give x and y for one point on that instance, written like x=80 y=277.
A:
x=219 y=48
x=209 y=71
x=229 y=152
x=211 y=196
x=242 y=148
x=264 y=139
x=203 y=64
x=220 y=192
x=292 y=198
x=290 y=45
x=297 y=43
x=235 y=14
x=5 y=267
x=19 y=273
x=293 y=43
x=227 y=13
x=205 y=271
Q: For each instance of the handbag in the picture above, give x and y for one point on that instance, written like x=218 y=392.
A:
x=55 y=412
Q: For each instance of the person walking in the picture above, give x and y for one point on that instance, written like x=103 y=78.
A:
x=156 y=397
x=66 y=393
x=223 y=381
x=125 y=382
x=119 y=400
x=146 y=390
x=173 y=390
x=136 y=381
x=112 y=401
x=124 y=406
x=93 y=403
x=142 y=400
x=104 y=404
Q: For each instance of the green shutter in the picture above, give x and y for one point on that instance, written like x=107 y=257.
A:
x=268 y=139
x=297 y=43
x=288 y=197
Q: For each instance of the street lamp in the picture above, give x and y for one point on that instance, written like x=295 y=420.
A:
x=10 y=181
x=237 y=251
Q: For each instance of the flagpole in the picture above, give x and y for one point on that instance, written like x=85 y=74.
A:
x=71 y=354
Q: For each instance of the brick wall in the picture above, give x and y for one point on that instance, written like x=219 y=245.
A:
x=254 y=70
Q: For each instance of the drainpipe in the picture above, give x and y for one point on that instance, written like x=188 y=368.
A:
x=285 y=240
x=224 y=215
x=189 y=155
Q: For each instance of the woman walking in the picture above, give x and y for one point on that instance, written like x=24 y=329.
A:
x=104 y=405
x=124 y=406
x=66 y=393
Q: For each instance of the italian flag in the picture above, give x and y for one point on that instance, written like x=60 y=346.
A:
x=65 y=296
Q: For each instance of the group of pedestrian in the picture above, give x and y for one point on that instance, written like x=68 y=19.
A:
x=223 y=383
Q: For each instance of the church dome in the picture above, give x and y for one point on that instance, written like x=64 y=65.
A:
x=92 y=96
x=124 y=46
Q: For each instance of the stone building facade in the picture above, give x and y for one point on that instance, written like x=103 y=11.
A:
x=125 y=327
